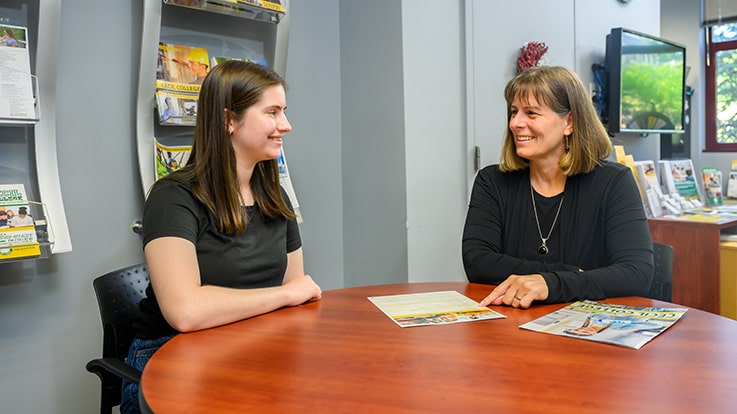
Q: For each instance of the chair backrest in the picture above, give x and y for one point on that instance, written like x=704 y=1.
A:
x=118 y=294
x=662 y=286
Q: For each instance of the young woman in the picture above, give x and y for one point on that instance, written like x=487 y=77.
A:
x=555 y=221
x=220 y=237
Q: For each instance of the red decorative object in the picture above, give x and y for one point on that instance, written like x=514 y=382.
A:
x=530 y=55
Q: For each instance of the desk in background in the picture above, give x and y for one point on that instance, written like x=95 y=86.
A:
x=696 y=259
x=343 y=355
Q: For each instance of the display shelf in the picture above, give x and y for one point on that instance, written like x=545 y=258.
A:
x=242 y=29
x=28 y=146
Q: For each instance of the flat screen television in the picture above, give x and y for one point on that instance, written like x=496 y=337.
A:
x=646 y=83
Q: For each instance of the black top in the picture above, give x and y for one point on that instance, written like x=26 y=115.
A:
x=602 y=229
x=255 y=259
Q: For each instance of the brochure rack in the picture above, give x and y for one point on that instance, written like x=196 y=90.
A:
x=243 y=29
x=28 y=144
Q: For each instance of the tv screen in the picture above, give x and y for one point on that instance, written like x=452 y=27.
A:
x=646 y=83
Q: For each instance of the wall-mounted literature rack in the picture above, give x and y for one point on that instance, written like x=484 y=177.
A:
x=28 y=141
x=254 y=30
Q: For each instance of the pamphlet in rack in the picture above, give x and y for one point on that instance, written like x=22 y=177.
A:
x=432 y=308
x=16 y=100
x=179 y=73
x=627 y=326
x=680 y=177
x=286 y=183
x=18 y=237
x=712 y=179
x=170 y=156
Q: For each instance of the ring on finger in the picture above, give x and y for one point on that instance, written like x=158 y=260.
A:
x=518 y=297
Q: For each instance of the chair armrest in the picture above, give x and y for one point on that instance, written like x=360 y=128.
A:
x=114 y=366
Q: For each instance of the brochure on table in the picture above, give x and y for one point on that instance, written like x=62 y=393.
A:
x=432 y=308
x=627 y=326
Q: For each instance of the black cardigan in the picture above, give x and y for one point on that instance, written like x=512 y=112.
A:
x=603 y=230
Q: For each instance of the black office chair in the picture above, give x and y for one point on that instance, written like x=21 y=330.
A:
x=118 y=294
x=661 y=287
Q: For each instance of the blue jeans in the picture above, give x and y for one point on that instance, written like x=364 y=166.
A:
x=139 y=353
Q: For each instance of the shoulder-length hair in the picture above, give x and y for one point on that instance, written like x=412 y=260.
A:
x=211 y=168
x=563 y=91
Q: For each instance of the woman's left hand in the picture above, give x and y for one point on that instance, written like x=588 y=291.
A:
x=518 y=291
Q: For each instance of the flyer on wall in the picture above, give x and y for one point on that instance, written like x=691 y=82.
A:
x=16 y=83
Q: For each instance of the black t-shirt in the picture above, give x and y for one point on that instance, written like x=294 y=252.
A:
x=254 y=259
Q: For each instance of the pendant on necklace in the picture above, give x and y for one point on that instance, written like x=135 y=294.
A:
x=543 y=249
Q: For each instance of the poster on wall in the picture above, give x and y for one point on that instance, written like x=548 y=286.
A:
x=16 y=99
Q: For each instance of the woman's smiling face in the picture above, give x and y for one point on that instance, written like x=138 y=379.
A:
x=539 y=132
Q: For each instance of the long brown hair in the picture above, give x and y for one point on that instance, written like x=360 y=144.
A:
x=211 y=168
x=563 y=91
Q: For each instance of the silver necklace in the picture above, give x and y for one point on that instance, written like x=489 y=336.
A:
x=544 y=247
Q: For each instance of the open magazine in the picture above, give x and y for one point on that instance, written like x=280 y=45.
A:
x=627 y=326
x=432 y=308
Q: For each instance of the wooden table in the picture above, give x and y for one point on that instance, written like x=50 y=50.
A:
x=343 y=355
x=695 y=259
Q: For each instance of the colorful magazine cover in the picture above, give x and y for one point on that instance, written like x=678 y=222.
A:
x=179 y=74
x=680 y=177
x=432 y=308
x=712 y=179
x=627 y=326
x=16 y=81
x=170 y=157
x=17 y=229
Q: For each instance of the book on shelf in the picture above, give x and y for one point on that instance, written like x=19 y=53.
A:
x=712 y=179
x=18 y=237
x=626 y=326
x=16 y=81
x=180 y=71
x=647 y=179
x=432 y=308
x=680 y=177
x=170 y=154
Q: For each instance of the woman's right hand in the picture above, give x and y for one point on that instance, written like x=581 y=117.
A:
x=302 y=289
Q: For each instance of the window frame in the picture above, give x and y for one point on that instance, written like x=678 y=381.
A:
x=710 y=107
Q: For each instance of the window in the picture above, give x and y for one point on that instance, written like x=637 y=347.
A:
x=721 y=88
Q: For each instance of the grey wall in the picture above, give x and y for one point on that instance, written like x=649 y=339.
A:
x=373 y=153
x=314 y=147
x=434 y=137
x=377 y=156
